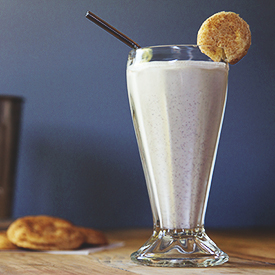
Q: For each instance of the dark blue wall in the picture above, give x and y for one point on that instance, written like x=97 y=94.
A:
x=78 y=155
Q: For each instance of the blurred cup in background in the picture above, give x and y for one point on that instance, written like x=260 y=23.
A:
x=10 y=121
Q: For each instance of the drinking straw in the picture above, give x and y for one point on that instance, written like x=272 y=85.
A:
x=110 y=29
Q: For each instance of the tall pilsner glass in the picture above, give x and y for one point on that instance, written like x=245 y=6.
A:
x=177 y=98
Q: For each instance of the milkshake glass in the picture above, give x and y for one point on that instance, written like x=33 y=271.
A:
x=177 y=98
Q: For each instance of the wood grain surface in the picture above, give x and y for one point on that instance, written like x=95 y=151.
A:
x=250 y=251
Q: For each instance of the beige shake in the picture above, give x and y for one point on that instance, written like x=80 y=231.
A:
x=177 y=109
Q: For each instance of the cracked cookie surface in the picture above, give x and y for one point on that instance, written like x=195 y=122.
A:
x=227 y=31
x=44 y=233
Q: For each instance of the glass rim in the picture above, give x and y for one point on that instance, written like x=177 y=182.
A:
x=175 y=46
x=173 y=52
x=190 y=51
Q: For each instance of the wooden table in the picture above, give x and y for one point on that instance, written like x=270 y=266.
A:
x=250 y=251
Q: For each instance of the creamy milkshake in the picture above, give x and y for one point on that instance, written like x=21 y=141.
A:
x=178 y=107
x=177 y=98
x=177 y=101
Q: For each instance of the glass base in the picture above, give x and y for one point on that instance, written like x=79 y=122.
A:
x=180 y=248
